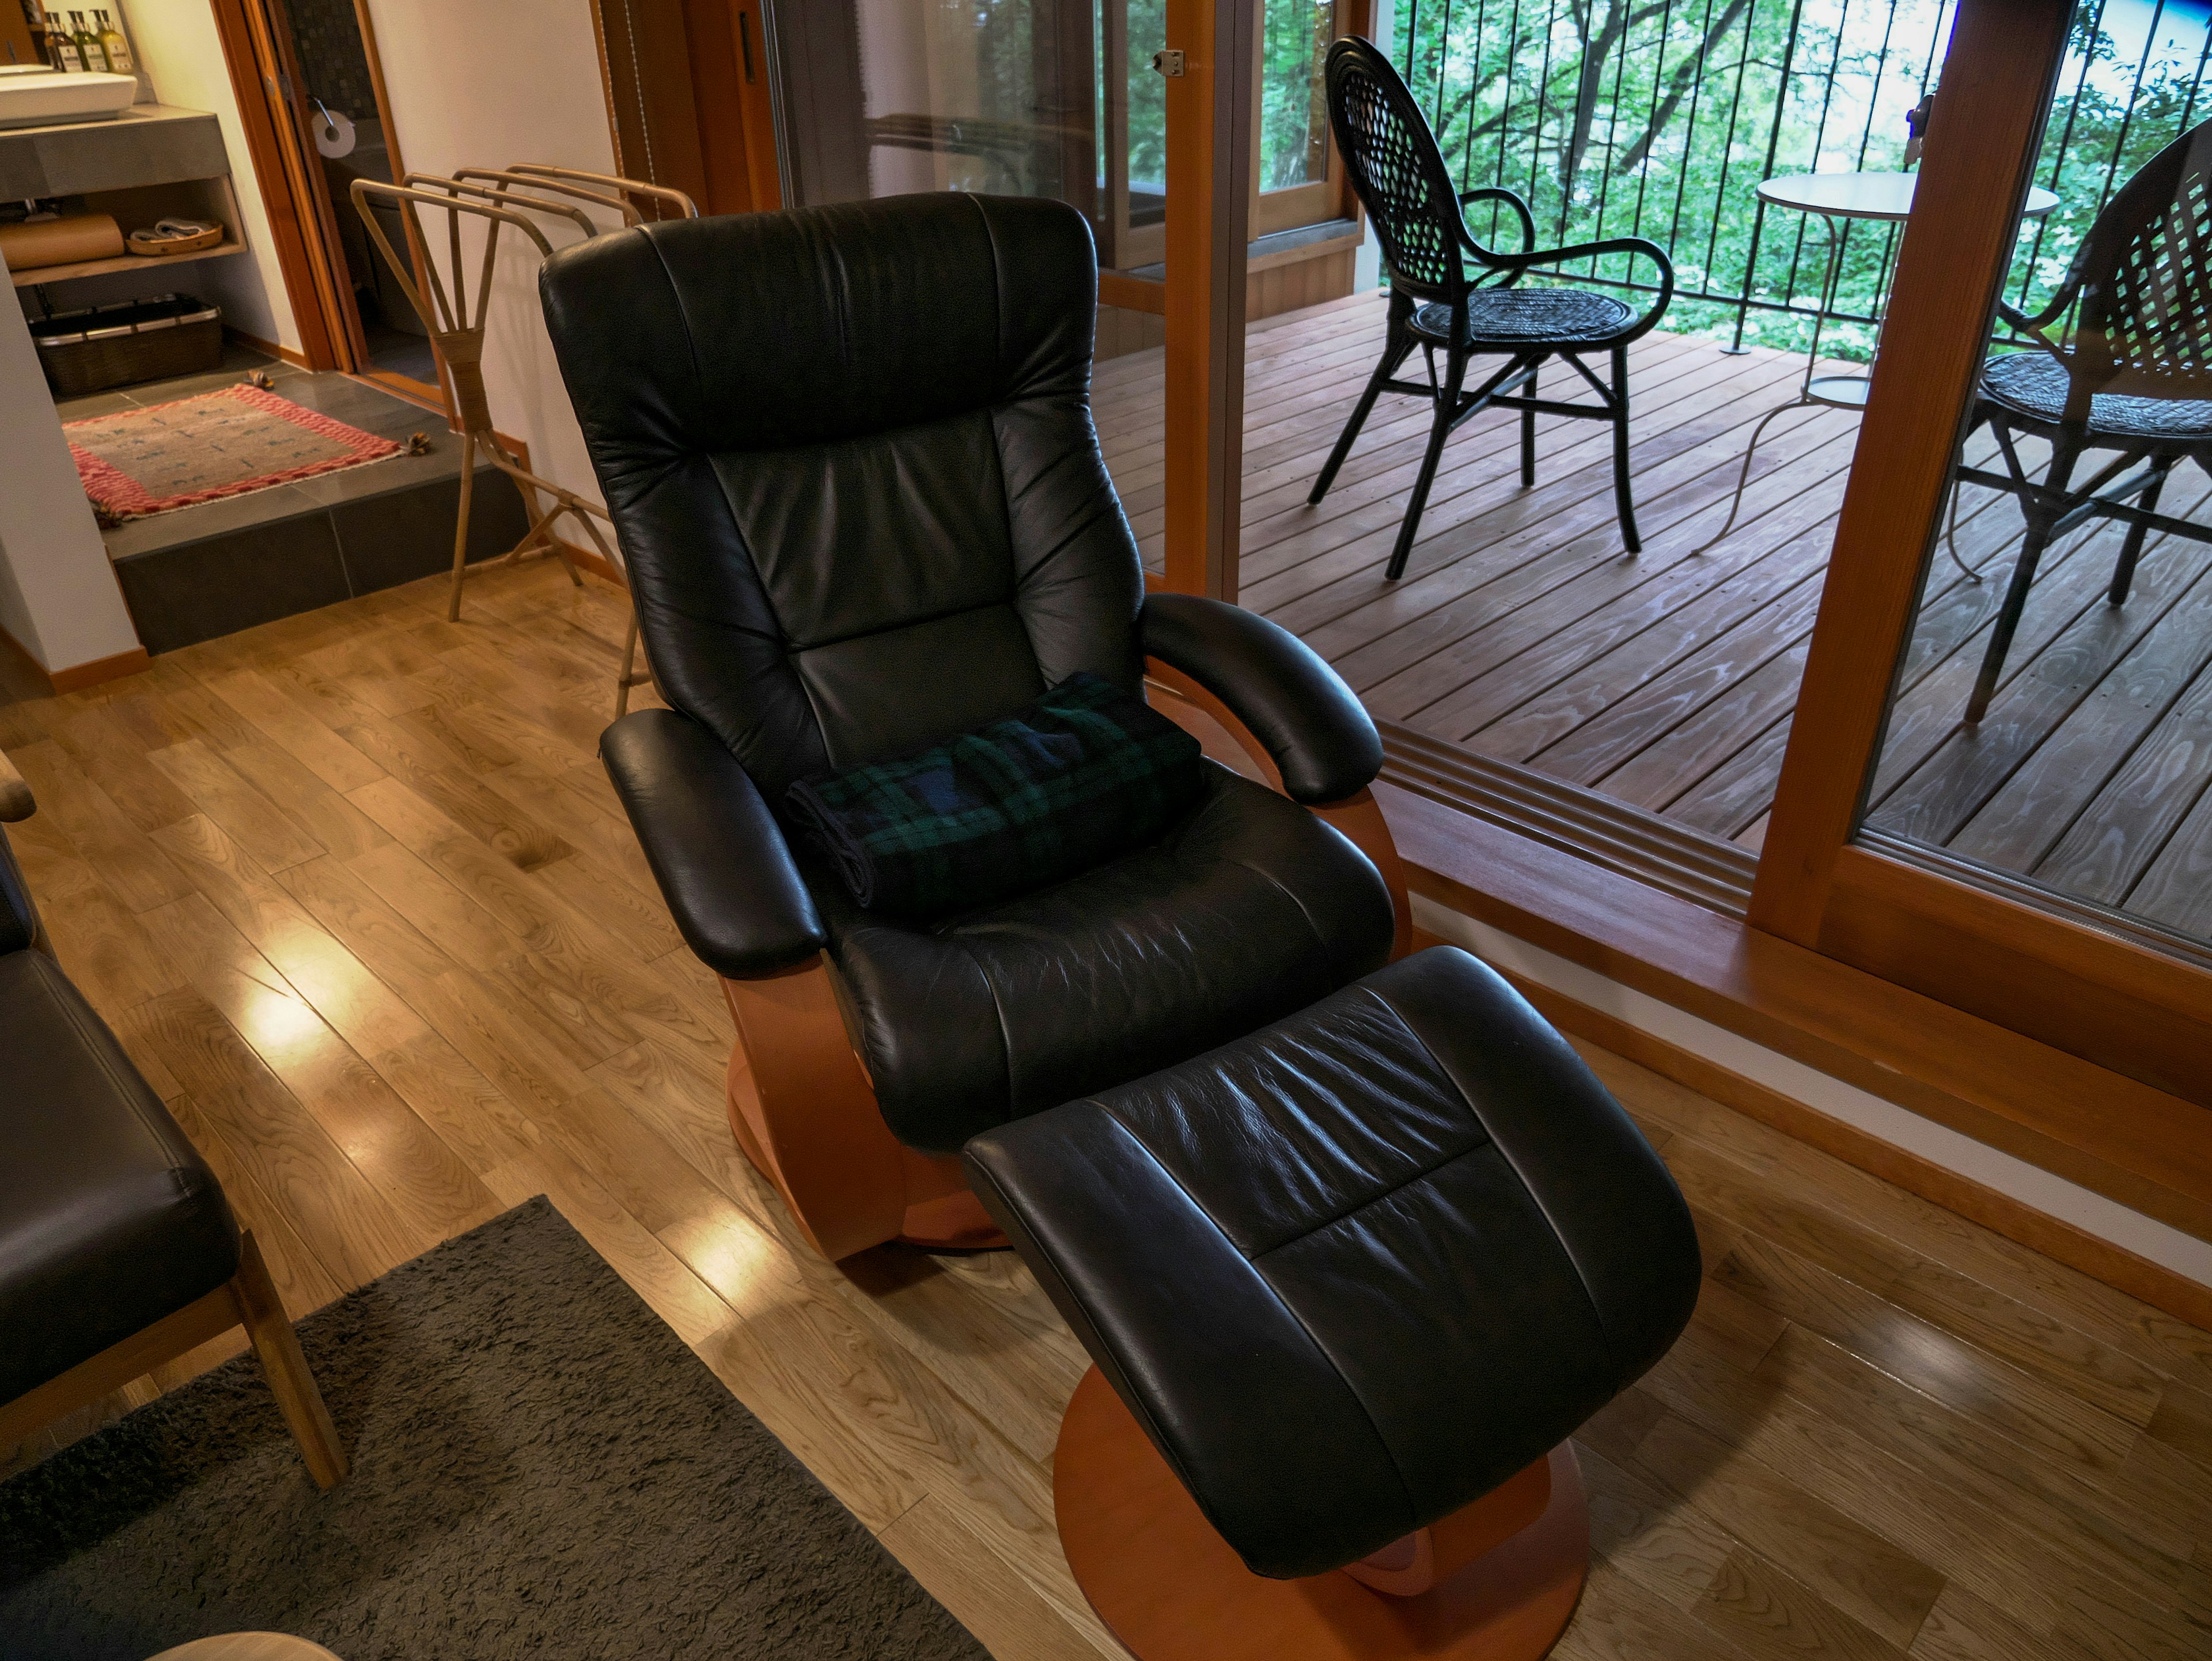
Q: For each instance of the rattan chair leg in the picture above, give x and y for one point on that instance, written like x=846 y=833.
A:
x=1529 y=435
x=2123 y=571
x=1447 y=418
x=1624 y=496
x=2039 y=522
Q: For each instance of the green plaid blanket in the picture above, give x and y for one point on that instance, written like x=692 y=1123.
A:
x=1081 y=774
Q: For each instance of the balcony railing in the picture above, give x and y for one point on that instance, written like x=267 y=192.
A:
x=1659 y=117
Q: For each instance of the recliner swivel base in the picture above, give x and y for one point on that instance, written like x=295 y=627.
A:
x=1509 y=1569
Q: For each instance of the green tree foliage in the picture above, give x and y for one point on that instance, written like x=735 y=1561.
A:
x=1659 y=117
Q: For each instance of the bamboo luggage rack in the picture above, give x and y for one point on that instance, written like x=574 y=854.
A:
x=499 y=198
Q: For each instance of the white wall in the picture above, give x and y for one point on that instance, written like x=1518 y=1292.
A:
x=58 y=593
x=180 y=53
x=489 y=84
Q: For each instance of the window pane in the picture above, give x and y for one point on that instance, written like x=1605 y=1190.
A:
x=2050 y=732
x=1294 y=42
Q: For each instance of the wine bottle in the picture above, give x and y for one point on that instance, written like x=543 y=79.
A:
x=115 y=46
x=65 y=55
x=87 y=46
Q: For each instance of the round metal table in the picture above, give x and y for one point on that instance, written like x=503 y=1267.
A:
x=1837 y=198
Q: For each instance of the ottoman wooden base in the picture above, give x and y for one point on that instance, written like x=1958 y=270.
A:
x=1172 y=1590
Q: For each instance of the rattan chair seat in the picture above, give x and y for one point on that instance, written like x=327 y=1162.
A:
x=1511 y=317
x=2032 y=386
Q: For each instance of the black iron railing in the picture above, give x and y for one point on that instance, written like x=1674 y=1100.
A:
x=1659 y=117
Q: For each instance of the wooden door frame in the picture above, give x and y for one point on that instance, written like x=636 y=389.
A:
x=1209 y=168
x=273 y=168
x=2091 y=991
x=690 y=99
x=270 y=24
x=302 y=218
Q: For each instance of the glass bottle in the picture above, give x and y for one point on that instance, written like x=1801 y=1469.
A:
x=87 y=46
x=118 y=48
x=62 y=48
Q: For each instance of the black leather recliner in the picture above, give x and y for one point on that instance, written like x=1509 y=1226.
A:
x=850 y=457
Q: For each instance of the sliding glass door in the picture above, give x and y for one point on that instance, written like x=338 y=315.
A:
x=1998 y=786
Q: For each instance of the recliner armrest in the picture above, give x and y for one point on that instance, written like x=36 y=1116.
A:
x=715 y=849
x=1319 y=736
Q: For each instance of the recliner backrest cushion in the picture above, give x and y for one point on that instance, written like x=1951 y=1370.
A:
x=849 y=455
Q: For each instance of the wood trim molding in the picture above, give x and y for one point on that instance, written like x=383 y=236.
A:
x=2119 y=1004
x=78 y=676
x=1997 y=78
x=1133 y=293
x=100 y=671
x=1999 y=1213
x=2141 y=1148
x=291 y=355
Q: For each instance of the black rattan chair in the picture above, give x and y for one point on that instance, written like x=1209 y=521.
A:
x=1434 y=302
x=2132 y=372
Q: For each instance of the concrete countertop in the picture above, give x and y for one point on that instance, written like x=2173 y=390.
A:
x=146 y=144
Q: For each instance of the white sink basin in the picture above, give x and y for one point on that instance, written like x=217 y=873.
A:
x=32 y=97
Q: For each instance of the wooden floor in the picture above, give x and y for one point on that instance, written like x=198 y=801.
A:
x=1522 y=630
x=356 y=893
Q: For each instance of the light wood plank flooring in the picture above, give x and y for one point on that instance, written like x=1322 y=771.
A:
x=1522 y=631
x=354 y=891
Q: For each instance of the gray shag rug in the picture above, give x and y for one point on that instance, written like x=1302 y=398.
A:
x=541 y=1469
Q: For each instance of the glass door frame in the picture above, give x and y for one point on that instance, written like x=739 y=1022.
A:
x=2037 y=970
x=1316 y=201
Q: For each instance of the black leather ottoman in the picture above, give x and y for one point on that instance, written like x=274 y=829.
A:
x=1352 y=1280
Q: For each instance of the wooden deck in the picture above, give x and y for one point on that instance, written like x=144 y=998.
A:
x=1524 y=632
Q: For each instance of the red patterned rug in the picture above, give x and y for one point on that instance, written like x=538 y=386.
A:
x=219 y=444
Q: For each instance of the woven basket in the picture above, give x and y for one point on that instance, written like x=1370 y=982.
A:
x=90 y=350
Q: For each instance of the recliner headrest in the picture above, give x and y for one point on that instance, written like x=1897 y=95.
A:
x=853 y=319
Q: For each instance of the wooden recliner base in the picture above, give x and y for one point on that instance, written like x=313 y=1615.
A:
x=1498 y=1580
x=803 y=1109
x=248 y=1298
x=806 y=1114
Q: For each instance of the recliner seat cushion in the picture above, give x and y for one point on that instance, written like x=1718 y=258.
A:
x=1352 y=1272
x=1248 y=909
x=109 y=1218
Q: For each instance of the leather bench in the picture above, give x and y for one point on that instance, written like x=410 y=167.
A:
x=118 y=1250
x=1350 y=1284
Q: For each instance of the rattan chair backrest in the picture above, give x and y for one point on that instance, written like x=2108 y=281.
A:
x=2142 y=325
x=1391 y=157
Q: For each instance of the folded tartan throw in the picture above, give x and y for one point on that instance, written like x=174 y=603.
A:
x=1081 y=774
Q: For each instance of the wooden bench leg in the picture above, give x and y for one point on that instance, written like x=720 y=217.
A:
x=282 y=1361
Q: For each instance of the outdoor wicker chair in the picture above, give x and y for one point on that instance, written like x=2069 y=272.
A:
x=1436 y=302
x=2132 y=373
